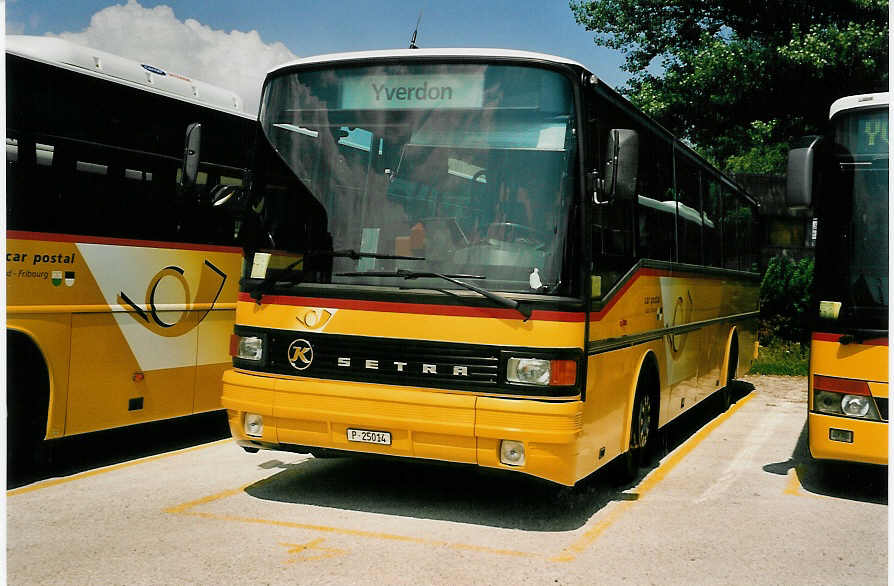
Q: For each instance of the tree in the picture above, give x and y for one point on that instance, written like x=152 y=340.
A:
x=739 y=79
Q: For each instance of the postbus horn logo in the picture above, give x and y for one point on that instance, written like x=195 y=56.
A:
x=211 y=283
x=300 y=354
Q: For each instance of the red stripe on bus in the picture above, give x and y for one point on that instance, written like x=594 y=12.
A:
x=416 y=308
x=78 y=239
x=836 y=384
x=825 y=337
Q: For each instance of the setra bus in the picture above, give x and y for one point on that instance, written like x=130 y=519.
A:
x=844 y=177
x=481 y=256
x=120 y=285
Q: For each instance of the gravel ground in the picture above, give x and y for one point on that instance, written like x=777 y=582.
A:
x=791 y=389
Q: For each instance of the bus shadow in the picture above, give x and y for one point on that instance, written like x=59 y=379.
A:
x=845 y=480
x=80 y=453
x=444 y=492
x=463 y=493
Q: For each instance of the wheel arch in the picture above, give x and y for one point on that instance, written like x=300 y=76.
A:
x=20 y=340
x=731 y=338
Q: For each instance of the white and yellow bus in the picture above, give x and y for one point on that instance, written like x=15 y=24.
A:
x=482 y=256
x=844 y=177
x=120 y=285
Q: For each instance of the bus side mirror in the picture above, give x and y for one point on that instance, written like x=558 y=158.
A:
x=191 y=154
x=799 y=175
x=621 y=167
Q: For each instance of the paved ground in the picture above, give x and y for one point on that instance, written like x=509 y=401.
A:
x=736 y=501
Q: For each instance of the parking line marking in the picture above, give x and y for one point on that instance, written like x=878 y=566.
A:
x=299 y=551
x=182 y=510
x=112 y=468
x=794 y=485
x=206 y=499
x=648 y=483
x=795 y=488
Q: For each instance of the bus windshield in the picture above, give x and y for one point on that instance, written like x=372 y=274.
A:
x=466 y=165
x=856 y=209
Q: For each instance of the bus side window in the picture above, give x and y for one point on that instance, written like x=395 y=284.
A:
x=711 y=229
x=736 y=222
x=689 y=223
x=655 y=201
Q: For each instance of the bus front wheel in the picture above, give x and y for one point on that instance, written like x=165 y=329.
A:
x=643 y=428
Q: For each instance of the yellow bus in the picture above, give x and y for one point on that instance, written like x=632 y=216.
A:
x=481 y=256
x=844 y=176
x=120 y=286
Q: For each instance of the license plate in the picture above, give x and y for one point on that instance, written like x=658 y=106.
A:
x=369 y=437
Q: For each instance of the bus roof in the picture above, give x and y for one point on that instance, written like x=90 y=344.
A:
x=858 y=101
x=151 y=78
x=427 y=53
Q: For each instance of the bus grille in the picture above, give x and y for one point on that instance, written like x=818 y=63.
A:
x=388 y=361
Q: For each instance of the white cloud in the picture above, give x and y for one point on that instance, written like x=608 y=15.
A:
x=236 y=60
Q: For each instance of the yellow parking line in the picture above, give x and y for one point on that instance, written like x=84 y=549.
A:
x=648 y=483
x=98 y=471
x=184 y=509
x=795 y=488
x=794 y=485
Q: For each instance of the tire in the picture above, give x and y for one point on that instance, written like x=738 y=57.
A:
x=27 y=400
x=643 y=431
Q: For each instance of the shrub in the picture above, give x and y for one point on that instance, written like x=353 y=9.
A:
x=785 y=299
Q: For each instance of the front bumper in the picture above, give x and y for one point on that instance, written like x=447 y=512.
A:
x=423 y=423
x=870 y=443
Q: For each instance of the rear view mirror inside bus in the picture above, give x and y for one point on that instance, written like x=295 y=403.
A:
x=191 y=155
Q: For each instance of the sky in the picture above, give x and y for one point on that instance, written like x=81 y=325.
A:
x=233 y=43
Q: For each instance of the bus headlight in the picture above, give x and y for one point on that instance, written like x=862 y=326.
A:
x=840 y=396
x=246 y=347
x=855 y=405
x=539 y=371
x=827 y=402
x=532 y=371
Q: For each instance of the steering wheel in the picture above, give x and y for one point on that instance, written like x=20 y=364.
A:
x=512 y=232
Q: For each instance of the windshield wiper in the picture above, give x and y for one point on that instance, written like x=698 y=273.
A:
x=522 y=308
x=289 y=275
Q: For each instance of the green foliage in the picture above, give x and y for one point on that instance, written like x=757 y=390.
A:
x=740 y=80
x=781 y=358
x=785 y=299
x=764 y=157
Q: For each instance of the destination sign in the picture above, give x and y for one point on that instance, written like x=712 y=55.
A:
x=875 y=133
x=863 y=132
x=401 y=92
